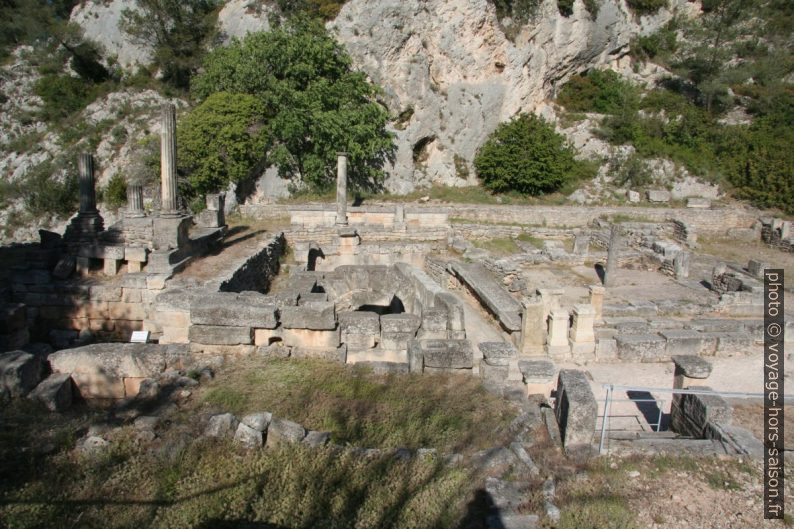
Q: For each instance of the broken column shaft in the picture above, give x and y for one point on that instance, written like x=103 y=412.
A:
x=613 y=254
x=85 y=165
x=135 y=200
x=341 y=188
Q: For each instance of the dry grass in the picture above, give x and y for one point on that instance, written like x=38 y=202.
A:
x=499 y=246
x=447 y=412
x=731 y=249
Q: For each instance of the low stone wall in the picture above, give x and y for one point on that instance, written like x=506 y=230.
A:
x=258 y=270
x=712 y=221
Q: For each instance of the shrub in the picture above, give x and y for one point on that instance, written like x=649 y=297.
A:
x=565 y=7
x=602 y=91
x=646 y=7
x=519 y=10
x=114 y=194
x=525 y=155
x=63 y=95
x=661 y=43
x=43 y=194
x=325 y=9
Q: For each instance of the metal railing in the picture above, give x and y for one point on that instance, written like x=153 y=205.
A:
x=610 y=391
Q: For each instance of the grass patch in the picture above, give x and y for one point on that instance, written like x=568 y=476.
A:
x=531 y=239
x=449 y=413
x=497 y=246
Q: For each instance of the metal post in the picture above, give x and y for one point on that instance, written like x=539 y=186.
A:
x=607 y=399
x=659 y=420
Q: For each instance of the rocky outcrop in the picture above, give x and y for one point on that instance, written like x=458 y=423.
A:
x=449 y=72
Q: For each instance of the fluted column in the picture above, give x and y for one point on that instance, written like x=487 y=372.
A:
x=613 y=253
x=170 y=204
x=135 y=200
x=85 y=165
x=341 y=188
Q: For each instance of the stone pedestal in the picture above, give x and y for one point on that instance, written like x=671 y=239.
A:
x=87 y=224
x=581 y=244
x=681 y=265
x=558 y=346
x=552 y=299
x=213 y=216
x=581 y=335
x=613 y=254
x=539 y=375
x=341 y=189
x=597 y=301
x=171 y=232
x=533 y=328
x=399 y=217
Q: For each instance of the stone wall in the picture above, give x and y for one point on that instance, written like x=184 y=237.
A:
x=707 y=221
x=258 y=270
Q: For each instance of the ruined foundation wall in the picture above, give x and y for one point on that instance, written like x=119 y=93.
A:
x=258 y=271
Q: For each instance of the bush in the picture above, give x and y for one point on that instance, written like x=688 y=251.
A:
x=222 y=140
x=525 y=155
x=646 y=7
x=325 y=9
x=519 y=10
x=63 y=95
x=114 y=195
x=602 y=91
x=565 y=7
x=43 y=194
x=661 y=43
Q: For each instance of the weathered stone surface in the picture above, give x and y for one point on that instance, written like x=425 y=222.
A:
x=55 y=392
x=658 y=195
x=690 y=414
x=315 y=316
x=399 y=323
x=367 y=323
x=248 y=437
x=735 y=439
x=447 y=354
x=498 y=353
x=691 y=366
x=537 y=371
x=490 y=293
x=221 y=425
x=576 y=410
x=641 y=347
x=258 y=421
x=688 y=342
x=220 y=335
x=698 y=202
x=98 y=370
x=283 y=431
x=317 y=439
x=20 y=372
x=232 y=309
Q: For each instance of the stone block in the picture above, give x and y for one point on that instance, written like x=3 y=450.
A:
x=20 y=372
x=690 y=414
x=633 y=196
x=735 y=439
x=692 y=366
x=111 y=267
x=311 y=338
x=55 y=392
x=248 y=437
x=434 y=320
x=658 y=195
x=539 y=375
x=267 y=336
x=735 y=343
x=137 y=254
x=576 y=410
x=455 y=316
x=498 y=353
x=641 y=347
x=220 y=335
x=221 y=425
x=698 y=202
x=126 y=311
x=257 y=421
x=395 y=340
x=282 y=431
x=104 y=293
x=130 y=295
x=399 y=323
x=493 y=373
x=232 y=309
x=362 y=323
x=447 y=354
x=13 y=316
x=689 y=342
x=314 y=316
x=316 y=439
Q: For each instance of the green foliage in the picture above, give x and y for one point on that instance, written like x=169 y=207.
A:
x=222 y=140
x=313 y=103
x=519 y=10
x=324 y=9
x=660 y=44
x=646 y=7
x=43 y=194
x=602 y=91
x=29 y=21
x=565 y=7
x=632 y=172
x=525 y=155
x=114 y=194
x=63 y=95
x=178 y=30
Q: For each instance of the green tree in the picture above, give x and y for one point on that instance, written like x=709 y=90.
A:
x=221 y=140
x=646 y=7
x=602 y=91
x=178 y=31
x=313 y=103
x=526 y=155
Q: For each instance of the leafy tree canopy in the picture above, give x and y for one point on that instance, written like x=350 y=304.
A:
x=312 y=103
x=221 y=140
x=526 y=155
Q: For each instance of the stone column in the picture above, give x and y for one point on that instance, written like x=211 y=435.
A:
x=341 y=188
x=170 y=203
x=135 y=200
x=613 y=254
x=85 y=165
x=597 y=301
x=582 y=336
x=681 y=265
x=533 y=327
x=399 y=217
x=581 y=244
